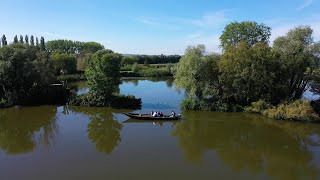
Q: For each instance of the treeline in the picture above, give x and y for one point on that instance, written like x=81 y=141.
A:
x=25 y=40
x=150 y=59
x=250 y=70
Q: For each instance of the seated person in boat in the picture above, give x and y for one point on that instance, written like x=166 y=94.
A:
x=155 y=114
x=173 y=114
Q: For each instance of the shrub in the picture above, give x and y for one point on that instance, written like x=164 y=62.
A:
x=298 y=110
x=136 y=67
x=153 y=73
x=258 y=106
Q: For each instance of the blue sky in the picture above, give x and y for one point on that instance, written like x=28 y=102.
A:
x=151 y=26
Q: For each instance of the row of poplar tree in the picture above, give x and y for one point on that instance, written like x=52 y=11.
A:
x=24 y=40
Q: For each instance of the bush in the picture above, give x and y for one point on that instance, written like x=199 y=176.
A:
x=153 y=73
x=258 y=106
x=298 y=110
x=136 y=67
x=129 y=74
x=71 y=77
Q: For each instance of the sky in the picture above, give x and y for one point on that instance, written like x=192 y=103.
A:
x=151 y=26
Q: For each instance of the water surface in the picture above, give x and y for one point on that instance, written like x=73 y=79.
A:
x=51 y=142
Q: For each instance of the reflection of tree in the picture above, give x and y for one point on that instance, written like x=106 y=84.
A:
x=103 y=130
x=249 y=142
x=18 y=129
x=169 y=82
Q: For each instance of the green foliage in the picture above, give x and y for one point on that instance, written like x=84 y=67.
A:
x=208 y=104
x=63 y=61
x=196 y=72
x=21 y=39
x=149 y=72
x=120 y=101
x=23 y=72
x=42 y=44
x=15 y=39
x=136 y=67
x=72 y=77
x=26 y=38
x=258 y=106
x=4 y=40
x=298 y=110
x=103 y=74
x=74 y=47
x=248 y=74
x=129 y=60
x=84 y=62
x=247 y=31
x=32 y=40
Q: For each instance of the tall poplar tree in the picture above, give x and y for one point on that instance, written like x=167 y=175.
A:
x=37 y=41
x=26 y=39
x=21 y=39
x=32 y=40
x=4 y=40
x=42 y=44
x=15 y=39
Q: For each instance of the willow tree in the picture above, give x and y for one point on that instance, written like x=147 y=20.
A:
x=299 y=57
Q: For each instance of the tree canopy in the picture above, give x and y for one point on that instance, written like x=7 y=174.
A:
x=246 y=31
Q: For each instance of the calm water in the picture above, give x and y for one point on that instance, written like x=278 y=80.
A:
x=100 y=143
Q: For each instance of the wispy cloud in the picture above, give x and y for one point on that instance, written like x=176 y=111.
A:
x=210 y=19
x=55 y=35
x=207 y=20
x=305 y=4
x=282 y=28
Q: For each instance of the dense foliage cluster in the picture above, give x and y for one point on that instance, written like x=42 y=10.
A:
x=249 y=70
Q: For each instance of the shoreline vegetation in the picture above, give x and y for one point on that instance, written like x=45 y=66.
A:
x=249 y=76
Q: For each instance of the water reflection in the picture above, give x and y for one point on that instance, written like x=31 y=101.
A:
x=103 y=130
x=250 y=142
x=23 y=129
x=155 y=123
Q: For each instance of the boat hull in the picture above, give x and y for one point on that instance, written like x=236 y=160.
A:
x=149 y=117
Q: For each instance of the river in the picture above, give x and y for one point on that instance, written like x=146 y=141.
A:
x=63 y=143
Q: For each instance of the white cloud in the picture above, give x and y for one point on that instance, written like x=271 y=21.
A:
x=282 y=29
x=55 y=35
x=212 y=19
x=305 y=4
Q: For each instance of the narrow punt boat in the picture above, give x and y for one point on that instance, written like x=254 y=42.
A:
x=149 y=117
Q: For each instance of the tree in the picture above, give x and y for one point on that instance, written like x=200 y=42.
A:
x=247 y=31
x=42 y=44
x=84 y=62
x=21 y=74
x=103 y=75
x=247 y=74
x=299 y=57
x=4 y=40
x=63 y=61
x=15 y=39
x=21 y=39
x=32 y=40
x=193 y=72
x=26 y=38
x=37 y=42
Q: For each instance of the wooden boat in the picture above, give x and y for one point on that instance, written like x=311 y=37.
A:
x=149 y=117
